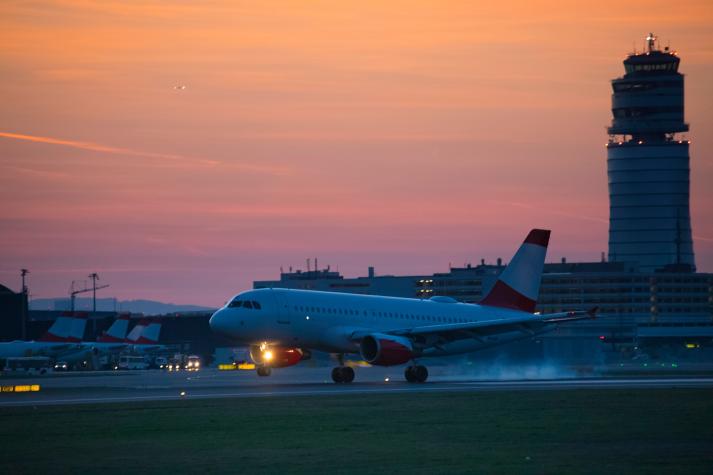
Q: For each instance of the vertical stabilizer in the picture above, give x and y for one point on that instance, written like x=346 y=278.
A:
x=76 y=333
x=60 y=329
x=136 y=332
x=518 y=286
x=117 y=331
x=151 y=333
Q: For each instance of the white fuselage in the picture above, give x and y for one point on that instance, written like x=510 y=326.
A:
x=20 y=348
x=327 y=321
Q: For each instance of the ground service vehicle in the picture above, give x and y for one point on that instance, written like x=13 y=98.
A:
x=132 y=362
x=31 y=365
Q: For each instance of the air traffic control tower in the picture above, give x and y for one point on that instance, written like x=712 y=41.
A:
x=648 y=165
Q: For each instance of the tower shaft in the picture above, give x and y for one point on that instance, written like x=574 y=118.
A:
x=648 y=166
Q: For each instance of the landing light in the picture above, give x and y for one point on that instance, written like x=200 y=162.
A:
x=267 y=356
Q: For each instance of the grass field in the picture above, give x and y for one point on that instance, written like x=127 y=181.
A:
x=557 y=432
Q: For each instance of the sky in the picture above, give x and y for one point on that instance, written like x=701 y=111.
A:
x=408 y=136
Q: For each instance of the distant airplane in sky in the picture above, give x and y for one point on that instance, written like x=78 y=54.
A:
x=282 y=325
x=180 y=87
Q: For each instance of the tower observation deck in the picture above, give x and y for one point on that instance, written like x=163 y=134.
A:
x=648 y=165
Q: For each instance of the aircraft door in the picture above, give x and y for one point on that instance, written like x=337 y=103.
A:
x=283 y=308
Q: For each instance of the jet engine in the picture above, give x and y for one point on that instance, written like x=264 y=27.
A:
x=386 y=350
x=278 y=357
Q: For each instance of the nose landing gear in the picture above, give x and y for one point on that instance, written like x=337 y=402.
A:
x=264 y=371
x=343 y=374
x=416 y=374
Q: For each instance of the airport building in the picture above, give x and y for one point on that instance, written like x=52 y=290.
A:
x=13 y=314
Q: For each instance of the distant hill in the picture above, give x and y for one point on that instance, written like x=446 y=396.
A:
x=147 y=307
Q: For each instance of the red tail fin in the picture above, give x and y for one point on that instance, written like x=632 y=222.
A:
x=518 y=286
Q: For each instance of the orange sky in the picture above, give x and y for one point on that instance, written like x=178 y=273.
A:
x=404 y=135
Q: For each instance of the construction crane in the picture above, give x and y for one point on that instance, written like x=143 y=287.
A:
x=73 y=291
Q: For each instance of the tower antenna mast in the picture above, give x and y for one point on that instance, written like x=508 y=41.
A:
x=651 y=41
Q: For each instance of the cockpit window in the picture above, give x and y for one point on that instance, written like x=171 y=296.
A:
x=245 y=304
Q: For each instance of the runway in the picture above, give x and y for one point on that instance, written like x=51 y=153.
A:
x=138 y=386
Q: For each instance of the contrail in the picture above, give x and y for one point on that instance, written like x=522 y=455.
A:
x=702 y=238
x=597 y=219
x=94 y=147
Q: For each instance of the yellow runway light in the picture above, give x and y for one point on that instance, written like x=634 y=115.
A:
x=20 y=388
x=248 y=366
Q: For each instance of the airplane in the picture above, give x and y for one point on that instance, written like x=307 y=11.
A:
x=113 y=339
x=63 y=335
x=281 y=326
x=117 y=331
x=143 y=338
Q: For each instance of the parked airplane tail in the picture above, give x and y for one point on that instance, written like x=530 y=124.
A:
x=136 y=332
x=150 y=334
x=79 y=324
x=117 y=331
x=60 y=329
x=518 y=286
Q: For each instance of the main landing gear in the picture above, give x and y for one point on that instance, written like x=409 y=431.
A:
x=343 y=374
x=264 y=371
x=416 y=374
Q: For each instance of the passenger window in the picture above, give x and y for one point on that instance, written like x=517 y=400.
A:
x=247 y=304
x=256 y=305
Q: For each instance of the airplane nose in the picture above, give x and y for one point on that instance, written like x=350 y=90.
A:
x=218 y=321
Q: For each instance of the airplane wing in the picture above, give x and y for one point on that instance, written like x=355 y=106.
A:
x=455 y=331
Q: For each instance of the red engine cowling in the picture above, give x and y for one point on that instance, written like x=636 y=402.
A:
x=386 y=350
x=278 y=357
